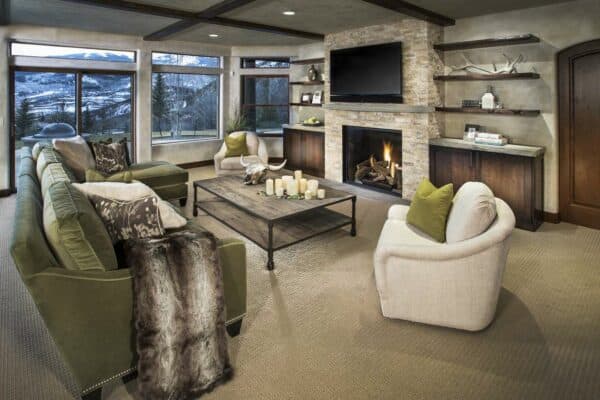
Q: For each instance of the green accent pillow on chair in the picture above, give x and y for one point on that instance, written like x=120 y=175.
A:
x=429 y=209
x=236 y=146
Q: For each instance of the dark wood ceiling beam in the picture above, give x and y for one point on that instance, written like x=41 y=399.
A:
x=124 y=5
x=412 y=10
x=4 y=12
x=234 y=23
x=211 y=12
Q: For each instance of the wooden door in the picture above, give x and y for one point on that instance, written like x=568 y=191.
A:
x=313 y=147
x=452 y=166
x=292 y=149
x=579 y=133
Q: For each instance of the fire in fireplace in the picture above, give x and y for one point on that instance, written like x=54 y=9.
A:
x=373 y=158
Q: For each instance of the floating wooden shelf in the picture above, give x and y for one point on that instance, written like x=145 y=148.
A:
x=485 y=77
x=308 y=61
x=306 y=105
x=308 y=83
x=492 y=42
x=502 y=111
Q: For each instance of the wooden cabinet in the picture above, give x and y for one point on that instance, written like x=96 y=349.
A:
x=516 y=179
x=305 y=150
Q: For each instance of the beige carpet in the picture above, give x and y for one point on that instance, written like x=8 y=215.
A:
x=314 y=329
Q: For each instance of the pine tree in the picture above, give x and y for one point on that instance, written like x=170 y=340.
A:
x=88 y=121
x=159 y=100
x=24 y=119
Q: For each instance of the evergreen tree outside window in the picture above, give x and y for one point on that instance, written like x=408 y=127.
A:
x=265 y=102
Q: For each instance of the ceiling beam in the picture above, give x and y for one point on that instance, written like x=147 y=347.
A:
x=211 y=12
x=409 y=9
x=125 y=5
x=4 y=12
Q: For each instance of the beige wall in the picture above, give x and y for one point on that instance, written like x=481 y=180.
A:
x=558 y=26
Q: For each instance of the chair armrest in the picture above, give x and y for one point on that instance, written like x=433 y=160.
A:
x=263 y=154
x=498 y=232
x=219 y=157
x=398 y=211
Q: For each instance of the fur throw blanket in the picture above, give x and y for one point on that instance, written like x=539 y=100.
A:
x=179 y=312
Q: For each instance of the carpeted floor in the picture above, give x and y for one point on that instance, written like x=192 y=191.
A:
x=314 y=329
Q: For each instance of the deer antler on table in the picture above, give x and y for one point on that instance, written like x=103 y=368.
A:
x=470 y=68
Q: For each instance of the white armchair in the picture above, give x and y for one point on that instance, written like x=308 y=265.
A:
x=455 y=285
x=231 y=165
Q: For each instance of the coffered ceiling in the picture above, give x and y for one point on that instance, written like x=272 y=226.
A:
x=312 y=16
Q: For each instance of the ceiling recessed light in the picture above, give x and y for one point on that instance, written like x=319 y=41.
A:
x=289 y=13
x=213 y=35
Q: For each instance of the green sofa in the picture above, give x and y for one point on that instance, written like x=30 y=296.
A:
x=89 y=313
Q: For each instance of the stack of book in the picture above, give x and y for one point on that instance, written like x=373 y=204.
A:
x=494 y=139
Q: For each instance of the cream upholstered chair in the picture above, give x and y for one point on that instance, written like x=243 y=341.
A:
x=257 y=150
x=449 y=284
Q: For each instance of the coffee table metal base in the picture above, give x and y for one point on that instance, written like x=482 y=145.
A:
x=275 y=235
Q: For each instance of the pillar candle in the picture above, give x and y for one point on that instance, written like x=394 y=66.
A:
x=321 y=194
x=308 y=195
x=269 y=188
x=286 y=179
x=313 y=185
x=303 y=185
x=278 y=184
x=279 y=192
x=292 y=187
x=297 y=174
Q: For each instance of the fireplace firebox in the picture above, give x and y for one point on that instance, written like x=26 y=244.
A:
x=373 y=158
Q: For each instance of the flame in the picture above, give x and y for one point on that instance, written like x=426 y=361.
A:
x=387 y=152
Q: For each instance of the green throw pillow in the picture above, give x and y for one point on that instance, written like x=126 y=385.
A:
x=93 y=175
x=429 y=209
x=236 y=146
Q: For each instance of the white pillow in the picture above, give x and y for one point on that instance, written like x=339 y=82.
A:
x=132 y=191
x=473 y=211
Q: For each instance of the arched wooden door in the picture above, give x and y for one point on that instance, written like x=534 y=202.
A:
x=579 y=133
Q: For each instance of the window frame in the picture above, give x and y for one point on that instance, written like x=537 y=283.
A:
x=243 y=95
x=37 y=43
x=78 y=72
x=191 y=70
x=280 y=59
x=219 y=58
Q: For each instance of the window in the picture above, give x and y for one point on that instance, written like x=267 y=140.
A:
x=184 y=60
x=185 y=103
x=72 y=53
x=47 y=105
x=265 y=62
x=265 y=101
x=184 y=106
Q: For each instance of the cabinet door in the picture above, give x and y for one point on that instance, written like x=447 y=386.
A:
x=313 y=147
x=511 y=179
x=292 y=149
x=452 y=166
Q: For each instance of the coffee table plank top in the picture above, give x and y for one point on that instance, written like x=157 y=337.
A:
x=247 y=197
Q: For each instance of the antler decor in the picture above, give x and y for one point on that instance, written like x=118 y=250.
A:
x=470 y=67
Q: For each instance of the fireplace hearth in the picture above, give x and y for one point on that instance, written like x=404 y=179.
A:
x=373 y=158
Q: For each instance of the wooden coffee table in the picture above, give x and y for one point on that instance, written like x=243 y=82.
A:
x=271 y=223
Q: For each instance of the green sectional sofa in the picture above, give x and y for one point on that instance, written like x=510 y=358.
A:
x=89 y=312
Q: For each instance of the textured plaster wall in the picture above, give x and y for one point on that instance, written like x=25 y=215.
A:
x=420 y=63
x=558 y=26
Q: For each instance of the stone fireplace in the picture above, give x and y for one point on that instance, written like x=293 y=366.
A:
x=411 y=124
x=372 y=158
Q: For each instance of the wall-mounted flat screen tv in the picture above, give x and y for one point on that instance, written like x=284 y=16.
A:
x=369 y=74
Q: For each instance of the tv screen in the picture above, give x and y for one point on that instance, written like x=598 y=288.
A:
x=367 y=74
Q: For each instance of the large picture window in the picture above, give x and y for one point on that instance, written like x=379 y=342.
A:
x=265 y=102
x=185 y=97
x=61 y=104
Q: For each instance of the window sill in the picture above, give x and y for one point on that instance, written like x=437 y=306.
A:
x=185 y=141
x=272 y=133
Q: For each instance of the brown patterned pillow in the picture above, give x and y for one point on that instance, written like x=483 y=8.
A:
x=136 y=219
x=110 y=158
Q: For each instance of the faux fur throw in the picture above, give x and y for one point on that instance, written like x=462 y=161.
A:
x=179 y=312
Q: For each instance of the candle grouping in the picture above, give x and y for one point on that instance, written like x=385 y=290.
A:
x=294 y=185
